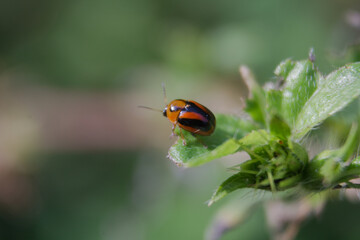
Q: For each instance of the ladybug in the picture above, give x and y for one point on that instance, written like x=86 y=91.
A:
x=190 y=116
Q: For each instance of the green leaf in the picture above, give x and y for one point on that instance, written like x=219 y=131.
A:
x=236 y=181
x=254 y=109
x=273 y=102
x=351 y=171
x=330 y=170
x=336 y=91
x=289 y=182
x=279 y=128
x=221 y=143
x=298 y=158
x=256 y=101
x=334 y=163
x=255 y=138
x=255 y=144
x=284 y=68
x=329 y=167
x=351 y=144
x=300 y=84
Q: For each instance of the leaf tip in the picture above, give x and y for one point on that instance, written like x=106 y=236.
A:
x=312 y=55
x=248 y=78
x=209 y=202
x=177 y=163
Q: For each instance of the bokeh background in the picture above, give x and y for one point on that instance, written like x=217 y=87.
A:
x=79 y=160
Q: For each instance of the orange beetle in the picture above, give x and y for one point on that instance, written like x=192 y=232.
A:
x=190 y=116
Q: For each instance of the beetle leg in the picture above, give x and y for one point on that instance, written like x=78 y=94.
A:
x=182 y=136
x=173 y=130
x=199 y=140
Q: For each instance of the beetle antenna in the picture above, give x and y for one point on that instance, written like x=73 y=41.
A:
x=164 y=92
x=153 y=109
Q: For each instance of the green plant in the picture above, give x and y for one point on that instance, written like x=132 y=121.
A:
x=281 y=117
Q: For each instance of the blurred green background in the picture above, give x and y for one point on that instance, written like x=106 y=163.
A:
x=79 y=160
